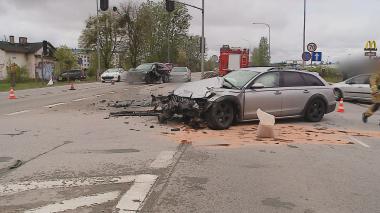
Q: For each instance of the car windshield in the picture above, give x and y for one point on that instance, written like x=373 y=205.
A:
x=179 y=69
x=112 y=70
x=144 y=67
x=239 y=78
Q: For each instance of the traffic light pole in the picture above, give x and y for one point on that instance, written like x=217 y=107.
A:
x=203 y=32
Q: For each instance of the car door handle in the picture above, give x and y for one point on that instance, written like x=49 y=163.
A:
x=306 y=91
x=278 y=93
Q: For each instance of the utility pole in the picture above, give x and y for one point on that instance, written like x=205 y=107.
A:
x=97 y=40
x=304 y=31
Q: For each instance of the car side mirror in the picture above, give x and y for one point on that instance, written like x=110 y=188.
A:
x=257 y=86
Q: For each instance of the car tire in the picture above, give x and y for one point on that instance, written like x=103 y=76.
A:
x=220 y=116
x=165 y=78
x=338 y=94
x=315 y=110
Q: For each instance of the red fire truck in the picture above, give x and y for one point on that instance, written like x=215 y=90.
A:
x=232 y=59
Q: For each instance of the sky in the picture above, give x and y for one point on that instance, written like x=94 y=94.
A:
x=340 y=28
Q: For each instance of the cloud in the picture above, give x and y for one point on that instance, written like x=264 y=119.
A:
x=339 y=27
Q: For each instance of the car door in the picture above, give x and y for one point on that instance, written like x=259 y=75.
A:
x=295 y=93
x=268 y=98
x=358 y=87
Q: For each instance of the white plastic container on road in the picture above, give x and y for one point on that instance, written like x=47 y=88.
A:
x=266 y=125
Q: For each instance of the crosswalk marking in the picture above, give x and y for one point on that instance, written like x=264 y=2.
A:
x=133 y=199
x=76 y=203
x=12 y=188
x=163 y=160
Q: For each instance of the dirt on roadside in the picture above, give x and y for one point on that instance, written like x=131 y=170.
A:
x=243 y=135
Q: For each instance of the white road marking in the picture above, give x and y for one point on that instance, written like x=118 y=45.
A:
x=76 y=203
x=126 y=89
x=13 y=188
x=163 y=160
x=99 y=95
x=53 y=105
x=133 y=199
x=358 y=141
x=19 y=112
x=80 y=99
x=112 y=92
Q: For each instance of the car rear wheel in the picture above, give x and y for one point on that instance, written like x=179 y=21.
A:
x=220 y=116
x=338 y=94
x=315 y=110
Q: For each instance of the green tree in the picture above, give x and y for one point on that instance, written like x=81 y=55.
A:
x=111 y=35
x=66 y=60
x=261 y=54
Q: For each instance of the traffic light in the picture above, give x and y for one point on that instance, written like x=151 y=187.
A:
x=104 y=5
x=45 y=48
x=170 y=5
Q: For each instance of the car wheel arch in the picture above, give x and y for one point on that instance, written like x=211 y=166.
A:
x=235 y=103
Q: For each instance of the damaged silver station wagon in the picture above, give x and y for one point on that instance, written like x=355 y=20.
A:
x=237 y=96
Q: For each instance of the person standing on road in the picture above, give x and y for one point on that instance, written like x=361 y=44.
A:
x=375 y=88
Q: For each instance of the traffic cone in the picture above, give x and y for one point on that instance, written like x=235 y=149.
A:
x=341 y=107
x=12 y=94
x=72 y=86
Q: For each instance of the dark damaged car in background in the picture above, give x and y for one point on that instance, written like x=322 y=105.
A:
x=220 y=101
x=149 y=73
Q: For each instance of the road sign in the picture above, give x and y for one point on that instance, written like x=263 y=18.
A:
x=370 y=46
x=371 y=54
x=312 y=47
x=306 y=56
x=316 y=56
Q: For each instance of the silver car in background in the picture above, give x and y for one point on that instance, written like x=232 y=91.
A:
x=238 y=95
x=179 y=74
x=355 y=88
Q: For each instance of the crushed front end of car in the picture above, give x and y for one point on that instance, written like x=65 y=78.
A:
x=190 y=109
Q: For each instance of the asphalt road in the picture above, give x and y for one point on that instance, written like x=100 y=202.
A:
x=66 y=154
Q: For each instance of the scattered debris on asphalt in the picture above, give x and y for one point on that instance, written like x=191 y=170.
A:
x=175 y=129
x=134 y=113
x=246 y=134
x=18 y=132
x=17 y=164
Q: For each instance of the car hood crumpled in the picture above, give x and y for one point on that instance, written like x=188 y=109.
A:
x=199 y=89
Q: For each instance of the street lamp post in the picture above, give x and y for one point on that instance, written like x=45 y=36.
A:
x=268 y=37
x=97 y=40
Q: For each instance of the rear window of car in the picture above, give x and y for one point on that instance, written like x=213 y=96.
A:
x=292 y=79
x=311 y=80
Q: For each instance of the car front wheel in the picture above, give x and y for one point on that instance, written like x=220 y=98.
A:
x=220 y=116
x=315 y=110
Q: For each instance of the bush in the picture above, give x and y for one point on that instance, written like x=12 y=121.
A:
x=329 y=74
x=22 y=74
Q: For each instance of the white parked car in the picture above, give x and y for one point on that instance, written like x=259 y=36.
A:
x=355 y=88
x=113 y=74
